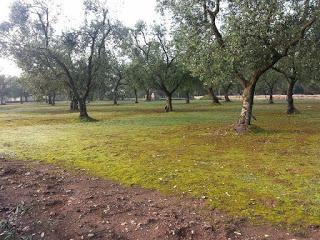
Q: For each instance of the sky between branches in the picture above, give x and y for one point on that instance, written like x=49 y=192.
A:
x=127 y=11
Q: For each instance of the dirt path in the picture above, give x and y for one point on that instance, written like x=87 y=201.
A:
x=40 y=201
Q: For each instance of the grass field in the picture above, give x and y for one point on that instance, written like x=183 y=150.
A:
x=270 y=175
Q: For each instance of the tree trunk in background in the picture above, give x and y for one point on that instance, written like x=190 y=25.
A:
x=2 y=102
x=21 y=99
x=226 y=97
x=74 y=106
x=291 y=108
x=115 y=98
x=247 y=105
x=187 y=97
x=25 y=98
x=49 y=99
x=53 y=100
x=215 y=99
x=136 y=95
x=148 y=95
x=168 y=107
x=226 y=92
x=83 y=108
x=271 y=96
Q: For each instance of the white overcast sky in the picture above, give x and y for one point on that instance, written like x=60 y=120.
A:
x=127 y=11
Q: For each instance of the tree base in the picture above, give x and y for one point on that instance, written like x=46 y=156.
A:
x=241 y=128
x=293 y=111
x=87 y=119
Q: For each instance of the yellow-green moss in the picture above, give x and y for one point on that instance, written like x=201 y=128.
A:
x=270 y=175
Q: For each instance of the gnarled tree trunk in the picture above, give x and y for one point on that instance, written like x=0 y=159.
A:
x=215 y=99
x=187 y=97
x=83 y=108
x=247 y=106
x=291 y=108
x=168 y=107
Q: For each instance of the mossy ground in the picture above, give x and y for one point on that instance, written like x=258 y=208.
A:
x=269 y=175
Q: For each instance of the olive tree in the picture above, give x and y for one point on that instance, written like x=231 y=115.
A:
x=251 y=36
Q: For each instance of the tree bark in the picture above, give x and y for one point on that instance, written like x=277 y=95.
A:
x=226 y=92
x=25 y=98
x=21 y=99
x=115 y=98
x=148 y=95
x=74 y=106
x=226 y=97
x=247 y=106
x=83 y=108
x=168 y=107
x=187 y=97
x=53 y=100
x=291 y=108
x=271 y=96
x=49 y=99
x=215 y=99
x=136 y=95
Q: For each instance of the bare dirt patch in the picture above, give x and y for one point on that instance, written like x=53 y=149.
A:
x=41 y=201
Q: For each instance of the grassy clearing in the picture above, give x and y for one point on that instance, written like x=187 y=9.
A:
x=272 y=175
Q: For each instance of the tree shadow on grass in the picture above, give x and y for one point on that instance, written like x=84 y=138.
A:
x=88 y=119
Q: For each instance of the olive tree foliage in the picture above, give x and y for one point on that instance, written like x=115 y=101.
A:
x=155 y=51
x=297 y=67
x=140 y=46
x=31 y=39
x=113 y=62
x=4 y=89
x=249 y=36
x=167 y=73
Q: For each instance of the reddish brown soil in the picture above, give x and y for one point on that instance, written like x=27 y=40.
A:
x=45 y=202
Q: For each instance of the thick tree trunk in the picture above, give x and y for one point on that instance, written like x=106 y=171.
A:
x=168 y=107
x=187 y=97
x=148 y=95
x=136 y=95
x=215 y=99
x=21 y=99
x=25 y=98
x=291 y=108
x=83 y=108
x=247 y=106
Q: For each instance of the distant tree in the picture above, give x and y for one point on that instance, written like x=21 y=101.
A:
x=4 y=89
x=29 y=37
x=140 y=45
x=268 y=84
